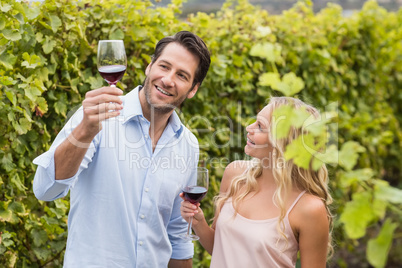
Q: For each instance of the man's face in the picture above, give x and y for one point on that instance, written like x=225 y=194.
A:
x=170 y=78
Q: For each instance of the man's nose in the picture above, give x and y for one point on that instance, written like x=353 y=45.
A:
x=168 y=80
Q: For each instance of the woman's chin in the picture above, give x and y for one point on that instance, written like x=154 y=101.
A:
x=246 y=150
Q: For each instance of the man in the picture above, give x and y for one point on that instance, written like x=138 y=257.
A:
x=125 y=160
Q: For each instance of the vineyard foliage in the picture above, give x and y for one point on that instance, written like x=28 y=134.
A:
x=348 y=67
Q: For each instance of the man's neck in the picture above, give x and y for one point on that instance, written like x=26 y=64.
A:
x=157 y=120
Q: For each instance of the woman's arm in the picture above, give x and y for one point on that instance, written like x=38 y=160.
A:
x=200 y=225
x=309 y=217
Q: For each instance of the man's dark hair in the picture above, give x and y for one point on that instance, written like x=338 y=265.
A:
x=192 y=43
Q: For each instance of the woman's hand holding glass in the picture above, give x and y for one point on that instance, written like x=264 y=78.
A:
x=193 y=194
x=189 y=210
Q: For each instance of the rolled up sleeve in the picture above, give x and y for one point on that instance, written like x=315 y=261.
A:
x=181 y=249
x=45 y=186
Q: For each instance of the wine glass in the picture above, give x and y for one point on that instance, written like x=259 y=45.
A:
x=194 y=194
x=112 y=60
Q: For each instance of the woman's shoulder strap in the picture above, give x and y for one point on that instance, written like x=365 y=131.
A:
x=295 y=202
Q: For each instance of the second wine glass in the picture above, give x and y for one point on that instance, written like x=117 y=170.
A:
x=194 y=194
x=111 y=60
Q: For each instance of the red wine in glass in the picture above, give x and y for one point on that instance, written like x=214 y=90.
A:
x=194 y=194
x=111 y=60
x=112 y=73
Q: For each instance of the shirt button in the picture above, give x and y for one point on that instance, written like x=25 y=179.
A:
x=142 y=216
x=146 y=189
x=140 y=243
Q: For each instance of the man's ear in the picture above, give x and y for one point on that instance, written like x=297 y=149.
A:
x=193 y=91
x=147 y=69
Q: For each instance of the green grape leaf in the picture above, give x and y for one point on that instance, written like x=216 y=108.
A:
x=21 y=127
x=12 y=35
x=263 y=31
x=42 y=253
x=48 y=45
x=61 y=108
x=7 y=162
x=32 y=92
x=5 y=215
x=5 y=7
x=11 y=97
x=285 y=117
x=352 y=176
x=31 y=12
x=41 y=107
x=387 y=193
x=269 y=51
x=17 y=208
x=39 y=237
x=39 y=37
x=301 y=150
x=330 y=155
x=8 y=60
x=357 y=215
x=117 y=35
x=55 y=23
x=74 y=82
x=290 y=84
x=379 y=208
x=348 y=154
x=42 y=74
x=2 y=22
x=316 y=126
x=379 y=247
x=269 y=79
x=96 y=82
x=6 y=238
x=31 y=61
x=7 y=81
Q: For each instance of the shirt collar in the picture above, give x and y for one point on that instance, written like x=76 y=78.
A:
x=131 y=105
x=132 y=109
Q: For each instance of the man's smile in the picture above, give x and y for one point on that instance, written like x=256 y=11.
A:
x=163 y=91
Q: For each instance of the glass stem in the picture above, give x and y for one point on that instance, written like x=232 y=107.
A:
x=112 y=85
x=189 y=226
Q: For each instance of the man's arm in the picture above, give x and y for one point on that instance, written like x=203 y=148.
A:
x=99 y=105
x=180 y=263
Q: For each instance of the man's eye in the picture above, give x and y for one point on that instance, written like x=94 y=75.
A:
x=182 y=76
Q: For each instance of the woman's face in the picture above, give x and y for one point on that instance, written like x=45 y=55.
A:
x=258 y=142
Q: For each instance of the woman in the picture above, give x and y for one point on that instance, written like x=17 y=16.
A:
x=268 y=208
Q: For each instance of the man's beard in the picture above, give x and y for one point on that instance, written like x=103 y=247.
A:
x=160 y=108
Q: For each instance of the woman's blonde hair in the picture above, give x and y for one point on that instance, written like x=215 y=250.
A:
x=286 y=174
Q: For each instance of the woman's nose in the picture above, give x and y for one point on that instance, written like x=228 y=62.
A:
x=249 y=128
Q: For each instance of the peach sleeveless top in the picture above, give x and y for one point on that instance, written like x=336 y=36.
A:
x=241 y=242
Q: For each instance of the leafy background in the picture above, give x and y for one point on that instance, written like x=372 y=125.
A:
x=349 y=67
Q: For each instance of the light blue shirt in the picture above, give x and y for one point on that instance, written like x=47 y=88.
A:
x=124 y=199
